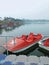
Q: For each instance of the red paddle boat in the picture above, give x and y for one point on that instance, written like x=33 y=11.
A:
x=44 y=44
x=22 y=43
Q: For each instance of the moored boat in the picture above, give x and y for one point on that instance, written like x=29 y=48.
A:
x=22 y=43
x=44 y=44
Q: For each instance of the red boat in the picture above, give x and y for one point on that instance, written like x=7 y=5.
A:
x=44 y=43
x=22 y=43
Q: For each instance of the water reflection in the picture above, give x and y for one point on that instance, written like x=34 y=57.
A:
x=26 y=29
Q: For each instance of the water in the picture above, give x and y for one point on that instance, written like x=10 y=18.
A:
x=26 y=29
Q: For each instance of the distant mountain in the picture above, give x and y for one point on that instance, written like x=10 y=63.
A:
x=24 y=21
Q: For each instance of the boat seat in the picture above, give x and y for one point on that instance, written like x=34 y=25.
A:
x=30 y=37
x=46 y=43
x=23 y=37
x=38 y=36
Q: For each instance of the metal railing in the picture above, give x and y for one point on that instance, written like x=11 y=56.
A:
x=4 y=40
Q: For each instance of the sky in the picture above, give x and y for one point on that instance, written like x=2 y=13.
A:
x=26 y=9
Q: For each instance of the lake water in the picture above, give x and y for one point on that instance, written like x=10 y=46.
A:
x=26 y=29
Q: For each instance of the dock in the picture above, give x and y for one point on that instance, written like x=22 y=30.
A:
x=24 y=60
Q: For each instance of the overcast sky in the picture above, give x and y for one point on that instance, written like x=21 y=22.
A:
x=27 y=9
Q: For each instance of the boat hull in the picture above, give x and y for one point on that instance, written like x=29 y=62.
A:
x=21 y=50
x=42 y=47
x=44 y=51
x=24 y=51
